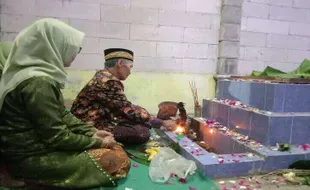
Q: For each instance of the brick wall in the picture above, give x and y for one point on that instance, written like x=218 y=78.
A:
x=274 y=33
x=166 y=35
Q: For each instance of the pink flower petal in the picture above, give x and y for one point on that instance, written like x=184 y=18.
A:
x=234 y=160
x=221 y=161
x=224 y=188
x=242 y=182
x=192 y=188
x=135 y=165
x=168 y=182
x=172 y=175
x=305 y=147
x=235 y=187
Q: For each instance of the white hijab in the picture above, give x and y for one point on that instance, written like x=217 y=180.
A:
x=41 y=49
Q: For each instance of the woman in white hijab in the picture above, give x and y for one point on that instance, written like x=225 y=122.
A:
x=40 y=141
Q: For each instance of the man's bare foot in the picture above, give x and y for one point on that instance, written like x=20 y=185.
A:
x=11 y=183
x=6 y=179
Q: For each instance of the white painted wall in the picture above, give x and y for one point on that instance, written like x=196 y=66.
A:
x=166 y=35
x=274 y=33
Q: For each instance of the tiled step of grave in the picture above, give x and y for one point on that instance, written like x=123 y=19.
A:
x=275 y=97
x=216 y=165
x=235 y=142
x=234 y=156
x=266 y=127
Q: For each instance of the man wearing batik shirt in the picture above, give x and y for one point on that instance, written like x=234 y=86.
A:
x=103 y=103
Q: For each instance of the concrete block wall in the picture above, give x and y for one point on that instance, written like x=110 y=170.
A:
x=229 y=37
x=274 y=33
x=179 y=36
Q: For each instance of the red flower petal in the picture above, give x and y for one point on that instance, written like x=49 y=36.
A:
x=143 y=150
x=182 y=180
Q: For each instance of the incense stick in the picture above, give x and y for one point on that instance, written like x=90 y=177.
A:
x=193 y=87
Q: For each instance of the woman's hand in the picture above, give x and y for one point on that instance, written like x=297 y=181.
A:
x=108 y=142
x=106 y=138
x=102 y=134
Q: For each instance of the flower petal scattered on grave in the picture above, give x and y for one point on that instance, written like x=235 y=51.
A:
x=221 y=161
x=305 y=147
x=235 y=187
x=182 y=180
x=242 y=182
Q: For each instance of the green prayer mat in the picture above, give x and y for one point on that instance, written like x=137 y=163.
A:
x=138 y=179
x=157 y=139
x=303 y=71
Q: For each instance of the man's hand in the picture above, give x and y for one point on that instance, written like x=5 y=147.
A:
x=169 y=125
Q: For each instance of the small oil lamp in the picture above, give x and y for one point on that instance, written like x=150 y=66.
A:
x=179 y=130
x=211 y=131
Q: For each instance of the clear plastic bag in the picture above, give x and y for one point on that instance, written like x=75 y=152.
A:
x=166 y=162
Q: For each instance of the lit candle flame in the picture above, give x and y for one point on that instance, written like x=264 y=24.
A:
x=179 y=129
x=237 y=127
x=211 y=131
